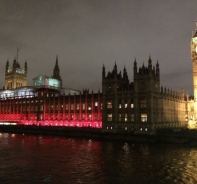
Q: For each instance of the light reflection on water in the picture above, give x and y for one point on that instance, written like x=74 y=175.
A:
x=45 y=159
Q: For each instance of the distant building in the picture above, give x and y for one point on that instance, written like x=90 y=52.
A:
x=123 y=106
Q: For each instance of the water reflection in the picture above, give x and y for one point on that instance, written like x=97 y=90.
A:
x=45 y=159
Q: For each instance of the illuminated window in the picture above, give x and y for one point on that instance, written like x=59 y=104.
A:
x=132 y=104
x=77 y=106
x=143 y=117
x=89 y=108
x=143 y=103
x=132 y=117
x=96 y=104
x=120 y=104
x=109 y=105
x=125 y=104
x=119 y=117
x=66 y=106
x=72 y=107
x=109 y=117
x=83 y=106
x=89 y=117
x=125 y=117
x=186 y=117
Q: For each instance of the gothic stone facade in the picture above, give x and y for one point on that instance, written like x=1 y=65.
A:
x=141 y=105
x=15 y=76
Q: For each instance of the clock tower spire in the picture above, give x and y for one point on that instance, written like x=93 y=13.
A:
x=194 y=62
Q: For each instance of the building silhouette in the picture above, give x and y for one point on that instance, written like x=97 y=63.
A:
x=143 y=105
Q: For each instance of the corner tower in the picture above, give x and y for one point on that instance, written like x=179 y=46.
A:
x=194 y=61
x=15 y=76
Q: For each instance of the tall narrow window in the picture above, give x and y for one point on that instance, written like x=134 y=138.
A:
x=109 y=104
x=109 y=117
x=132 y=104
x=125 y=117
x=89 y=117
x=120 y=104
x=143 y=103
x=83 y=106
x=120 y=117
x=72 y=107
x=125 y=104
x=143 y=117
x=132 y=117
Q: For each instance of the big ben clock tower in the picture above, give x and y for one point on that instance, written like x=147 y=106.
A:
x=194 y=62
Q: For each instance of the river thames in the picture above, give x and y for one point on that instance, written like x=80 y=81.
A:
x=49 y=159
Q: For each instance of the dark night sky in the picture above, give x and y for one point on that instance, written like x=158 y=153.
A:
x=86 y=34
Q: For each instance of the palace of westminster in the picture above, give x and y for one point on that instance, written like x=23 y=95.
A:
x=142 y=105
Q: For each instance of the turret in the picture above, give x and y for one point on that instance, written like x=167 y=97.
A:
x=125 y=76
x=25 y=66
x=7 y=67
x=135 y=68
x=103 y=72
x=157 y=70
x=115 y=69
x=149 y=63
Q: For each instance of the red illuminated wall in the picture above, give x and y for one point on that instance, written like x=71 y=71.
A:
x=53 y=110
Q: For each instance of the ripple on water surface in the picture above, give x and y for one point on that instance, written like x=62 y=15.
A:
x=45 y=159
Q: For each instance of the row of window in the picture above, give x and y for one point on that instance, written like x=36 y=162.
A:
x=75 y=117
x=72 y=106
x=125 y=117
x=126 y=128
x=126 y=105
